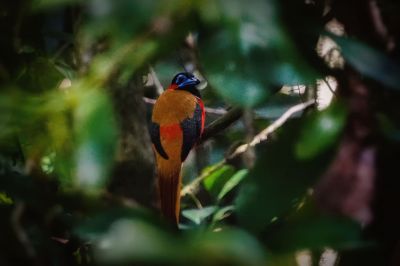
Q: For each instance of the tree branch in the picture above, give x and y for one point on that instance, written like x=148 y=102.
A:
x=263 y=135
x=260 y=137
x=222 y=123
x=215 y=111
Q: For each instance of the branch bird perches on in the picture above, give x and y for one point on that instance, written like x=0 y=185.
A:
x=260 y=137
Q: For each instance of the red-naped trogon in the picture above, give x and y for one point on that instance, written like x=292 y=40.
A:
x=177 y=124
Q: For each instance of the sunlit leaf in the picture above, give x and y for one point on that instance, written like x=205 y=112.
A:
x=47 y=163
x=232 y=183
x=199 y=215
x=222 y=213
x=5 y=199
x=216 y=180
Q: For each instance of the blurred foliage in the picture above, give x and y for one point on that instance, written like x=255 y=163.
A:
x=215 y=181
x=280 y=188
x=61 y=62
x=370 y=62
x=320 y=131
x=249 y=40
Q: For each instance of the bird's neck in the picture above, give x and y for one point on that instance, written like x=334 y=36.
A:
x=193 y=90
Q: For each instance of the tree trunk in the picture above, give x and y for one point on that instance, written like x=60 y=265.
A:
x=133 y=174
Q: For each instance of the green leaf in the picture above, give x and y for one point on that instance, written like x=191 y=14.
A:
x=370 y=61
x=222 y=213
x=231 y=69
x=5 y=199
x=216 y=180
x=199 y=215
x=321 y=130
x=232 y=182
x=249 y=54
x=278 y=180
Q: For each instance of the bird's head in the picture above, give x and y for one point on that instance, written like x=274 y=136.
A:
x=186 y=81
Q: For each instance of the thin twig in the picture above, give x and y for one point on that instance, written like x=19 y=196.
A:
x=196 y=200
x=149 y=100
x=156 y=81
x=262 y=136
x=329 y=86
x=216 y=111
x=60 y=51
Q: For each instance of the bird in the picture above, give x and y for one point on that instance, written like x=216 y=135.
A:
x=176 y=126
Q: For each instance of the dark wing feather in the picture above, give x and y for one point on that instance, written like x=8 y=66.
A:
x=154 y=130
x=191 y=129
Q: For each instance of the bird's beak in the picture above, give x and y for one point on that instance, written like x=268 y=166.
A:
x=189 y=82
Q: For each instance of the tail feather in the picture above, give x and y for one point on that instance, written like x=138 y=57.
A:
x=169 y=182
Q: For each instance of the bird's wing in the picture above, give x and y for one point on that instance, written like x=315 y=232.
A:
x=191 y=130
x=154 y=130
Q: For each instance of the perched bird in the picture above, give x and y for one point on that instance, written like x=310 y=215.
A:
x=177 y=124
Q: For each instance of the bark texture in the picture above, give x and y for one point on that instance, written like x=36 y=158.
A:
x=133 y=174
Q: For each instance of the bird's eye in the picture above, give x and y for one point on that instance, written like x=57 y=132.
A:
x=180 y=79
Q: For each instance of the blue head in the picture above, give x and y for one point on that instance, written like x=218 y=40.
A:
x=185 y=79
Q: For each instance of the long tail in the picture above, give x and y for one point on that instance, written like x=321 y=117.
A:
x=169 y=182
